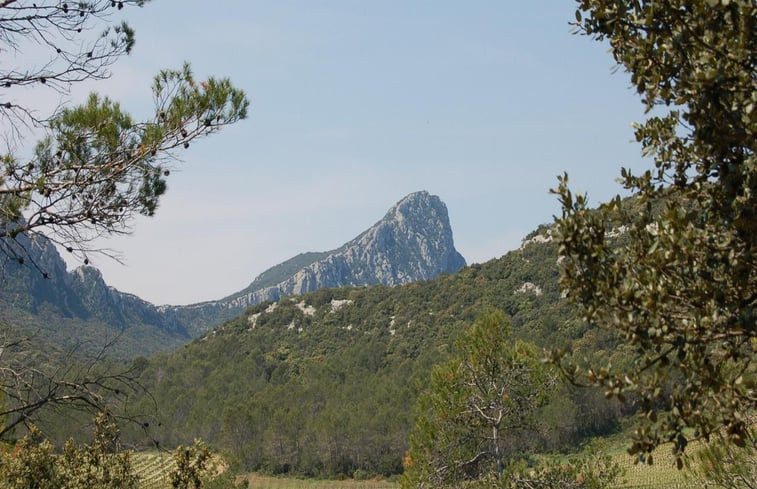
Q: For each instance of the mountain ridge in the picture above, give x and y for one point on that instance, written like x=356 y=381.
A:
x=413 y=241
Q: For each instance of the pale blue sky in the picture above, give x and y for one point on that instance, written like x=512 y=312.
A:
x=356 y=104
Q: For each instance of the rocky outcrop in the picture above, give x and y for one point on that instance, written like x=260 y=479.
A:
x=412 y=242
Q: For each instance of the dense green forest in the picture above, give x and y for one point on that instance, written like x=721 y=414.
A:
x=326 y=383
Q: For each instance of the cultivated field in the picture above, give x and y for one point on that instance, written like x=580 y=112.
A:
x=153 y=469
x=663 y=474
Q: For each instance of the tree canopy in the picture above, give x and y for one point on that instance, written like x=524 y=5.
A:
x=96 y=167
x=674 y=274
x=476 y=409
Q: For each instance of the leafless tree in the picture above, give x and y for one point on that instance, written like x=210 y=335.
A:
x=73 y=382
x=63 y=29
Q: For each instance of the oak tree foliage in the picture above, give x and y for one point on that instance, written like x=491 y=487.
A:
x=33 y=462
x=674 y=273
x=191 y=465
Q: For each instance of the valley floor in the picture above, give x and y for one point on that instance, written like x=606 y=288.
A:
x=154 y=468
x=265 y=482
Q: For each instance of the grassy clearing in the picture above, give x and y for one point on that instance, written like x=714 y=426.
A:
x=154 y=467
x=662 y=473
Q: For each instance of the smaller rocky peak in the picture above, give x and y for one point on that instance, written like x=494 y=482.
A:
x=86 y=273
x=89 y=285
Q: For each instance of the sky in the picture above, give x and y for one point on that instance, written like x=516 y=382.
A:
x=353 y=106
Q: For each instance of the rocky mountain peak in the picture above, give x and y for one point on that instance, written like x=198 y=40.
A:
x=413 y=241
x=420 y=210
x=87 y=273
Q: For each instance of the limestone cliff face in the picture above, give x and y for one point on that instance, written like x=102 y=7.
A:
x=412 y=242
x=77 y=310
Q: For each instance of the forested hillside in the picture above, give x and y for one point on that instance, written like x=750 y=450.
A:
x=326 y=383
